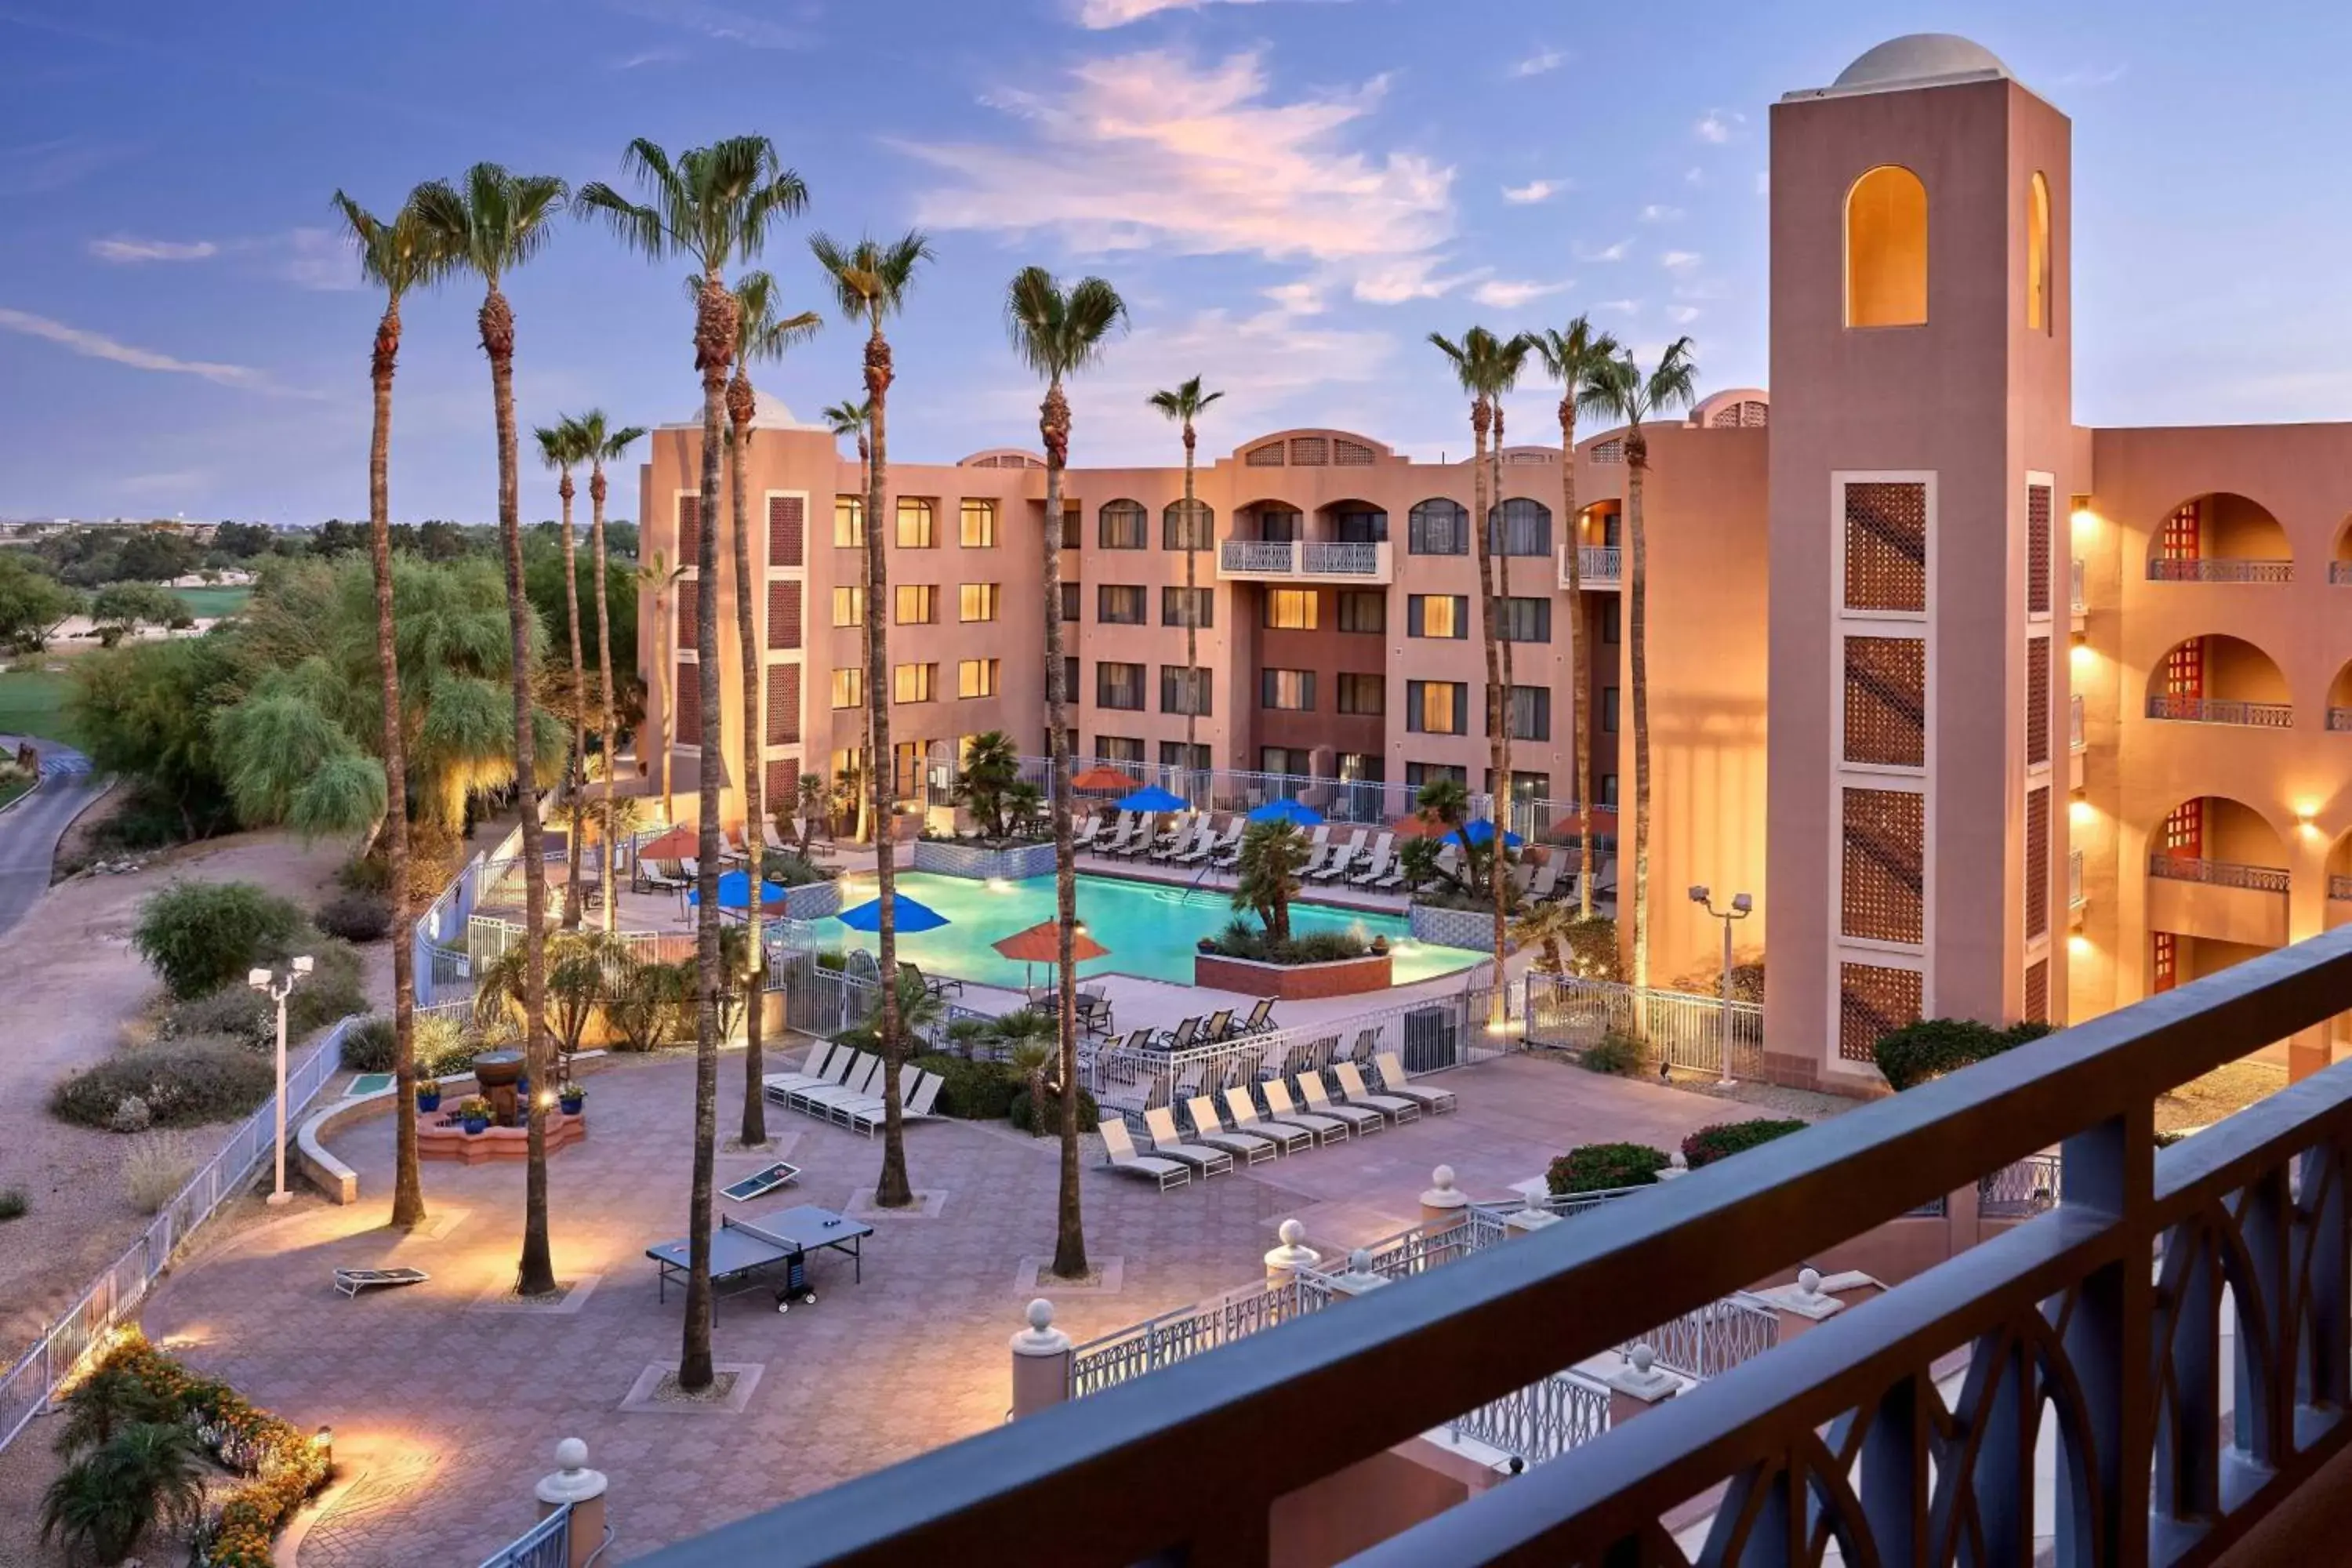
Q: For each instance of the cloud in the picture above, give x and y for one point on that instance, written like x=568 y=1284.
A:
x=1693 y=176
x=1505 y=294
x=1617 y=252
x=1679 y=260
x=97 y=345
x=1718 y=126
x=1533 y=191
x=1540 y=62
x=1298 y=299
x=128 y=251
x=1099 y=15
x=659 y=55
x=1623 y=307
x=1415 y=278
x=1683 y=315
x=717 y=22
x=1658 y=213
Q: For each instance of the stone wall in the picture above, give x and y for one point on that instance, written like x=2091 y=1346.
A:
x=1473 y=929
x=979 y=865
x=812 y=900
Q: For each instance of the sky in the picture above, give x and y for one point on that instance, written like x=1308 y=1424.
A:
x=1290 y=194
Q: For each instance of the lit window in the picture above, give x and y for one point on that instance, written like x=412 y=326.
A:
x=1291 y=609
x=2037 y=254
x=914 y=523
x=1436 y=706
x=1886 y=249
x=978 y=525
x=849 y=606
x=976 y=678
x=1437 y=616
x=913 y=682
x=918 y=604
x=848 y=522
x=1288 y=690
x=976 y=601
x=848 y=687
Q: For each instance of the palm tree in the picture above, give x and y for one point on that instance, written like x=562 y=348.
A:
x=562 y=448
x=149 y=1474
x=760 y=334
x=491 y=221
x=715 y=204
x=846 y=418
x=1570 y=358
x=1620 y=391
x=1057 y=334
x=396 y=257
x=1266 y=877
x=1185 y=404
x=657 y=576
x=869 y=281
x=1547 y=925
x=603 y=444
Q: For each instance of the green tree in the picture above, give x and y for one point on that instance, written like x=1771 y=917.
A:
x=146 y=712
x=105 y=1502
x=32 y=604
x=992 y=766
x=1058 y=332
x=1185 y=404
x=562 y=447
x=1267 y=878
x=608 y=443
x=120 y=609
x=286 y=759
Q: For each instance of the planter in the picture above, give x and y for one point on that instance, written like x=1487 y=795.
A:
x=572 y=1107
x=975 y=863
x=427 y=1104
x=476 y=1125
x=1473 y=929
x=1293 y=982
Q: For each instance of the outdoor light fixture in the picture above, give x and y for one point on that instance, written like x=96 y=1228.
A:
x=266 y=983
x=1742 y=906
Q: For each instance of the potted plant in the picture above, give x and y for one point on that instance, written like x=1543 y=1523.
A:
x=1380 y=944
x=570 y=1096
x=1206 y=945
x=474 y=1114
x=428 y=1095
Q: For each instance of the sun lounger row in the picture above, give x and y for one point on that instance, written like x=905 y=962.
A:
x=1201 y=1031
x=1239 y=1130
x=846 y=1086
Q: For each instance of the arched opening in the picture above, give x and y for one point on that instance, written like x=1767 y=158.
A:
x=2037 y=254
x=1437 y=527
x=1123 y=525
x=2339 y=568
x=2219 y=681
x=1275 y=521
x=1886 y=249
x=1599 y=541
x=1351 y=522
x=1519 y=526
x=2339 y=702
x=2217 y=879
x=2219 y=537
x=1188 y=525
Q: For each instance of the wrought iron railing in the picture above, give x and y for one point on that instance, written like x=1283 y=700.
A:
x=2075 y=896
x=2223 y=570
x=1295 y=558
x=1566 y=1011
x=2221 y=710
x=2339 y=888
x=1597 y=566
x=1540 y=1422
x=2074 y=742
x=2218 y=873
x=2022 y=1188
x=547 y=1544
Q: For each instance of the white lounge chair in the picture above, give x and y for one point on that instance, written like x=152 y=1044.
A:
x=1292 y=1136
x=1118 y=1151
x=1210 y=1129
x=1084 y=836
x=828 y=1074
x=1393 y=1081
x=1320 y=847
x=1396 y=1107
x=1212 y=844
x=1377 y=866
x=1327 y=1129
x=779 y=1085
x=865 y=1073
x=1362 y=1119
x=1123 y=833
x=1161 y=1122
x=865 y=1115
x=1342 y=861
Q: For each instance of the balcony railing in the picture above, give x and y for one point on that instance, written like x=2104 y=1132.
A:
x=2340 y=888
x=2074 y=599
x=2220 y=571
x=2221 y=710
x=2074 y=742
x=1303 y=559
x=2217 y=873
x=2074 y=879
x=2339 y=572
x=1598 y=565
x=1846 y=1432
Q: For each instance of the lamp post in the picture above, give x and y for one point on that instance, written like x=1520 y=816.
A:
x=1742 y=906
x=269 y=984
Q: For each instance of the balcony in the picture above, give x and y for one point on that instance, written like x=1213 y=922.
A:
x=1305 y=561
x=2075 y=899
x=2339 y=889
x=2340 y=720
x=2172 y=1435
x=2220 y=571
x=2219 y=899
x=2074 y=599
x=2221 y=710
x=2339 y=574
x=2074 y=742
x=1601 y=565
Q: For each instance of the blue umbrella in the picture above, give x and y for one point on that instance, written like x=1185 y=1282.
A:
x=1152 y=797
x=735 y=892
x=912 y=916
x=1288 y=810
x=1481 y=832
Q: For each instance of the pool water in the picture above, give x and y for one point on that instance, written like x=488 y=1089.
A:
x=1150 y=929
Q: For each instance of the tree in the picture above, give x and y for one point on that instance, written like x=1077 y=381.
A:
x=846 y=418
x=1267 y=878
x=1573 y=358
x=121 y=608
x=1058 y=332
x=491 y=221
x=658 y=575
x=714 y=205
x=147 y=1474
x=562 y=447
x=605 y=444
x=285 y=758
x=1185 y=404
x=814 y=804
x=1622 y=392
x=1546 y=925
x=992 y=766
x=146 y=712
x=870 y=282
x=32 y=604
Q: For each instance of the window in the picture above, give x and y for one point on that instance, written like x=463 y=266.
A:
x=914 y=682
x=915 y=523
x=976 y=677
x=1280 y=523
x=1438 y=527
x=1417 y=774
x=848 y=522
x=1886 y=249
x=1292 y=609
x=1363 y=610
x=1292 y=761
x=1607 y=790
x=1612 y=621
x=1073 y=525
x=1437 y=616
x=977 y=525
x=1363 y=767
x=2037 y=254
x=1177 y=754
x=1070 y=693
x=1360 y=524
x=1122 y=749
x=976 y=601
x=1609 y=709
x=1288 y=690
x=1123 y=525
x=1120 y=604
x=1437 y=707
x=1519 y=526
x=916 y=605
x=1530 y=713
x=848 y=687
x=1526 y=620
x=1524 y=785
x=1363 y=694
x=1184 y=690
x=849 y=606
x=1070 y=600
x=1195 y=529
x=1118 y=686
x=1175 y=611
x=906 y=761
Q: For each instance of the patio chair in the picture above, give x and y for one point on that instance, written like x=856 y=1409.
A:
x=778 y=1085
x=1118 y=1153
x=1377 y=866
x=1394 y=1106
x=1136 y=1041
x=1216 y=1028
x=1210 y=1129
x=1211 y=844
x=1393 y=1081
x=1229 y=854
x=1292 y=1136
x=1094 y=1012
x=1547 y=878
x=1327 y=1129
x=1145 y=839
x=734 y=847
x=864 y=1075
x=1177 y=839
x=932 y=985
x=1120 y=835
x=1084 y=836
x=828 y=1074
x=1242 y=1068
x=918 y=1105
x=664 y=876
x=865 y=1115
x=1362 y=1121
x=1390 y=879
x=1183 y=1035
x=1261 y=1017
x=1160 y=1124
x=1342 y=861
x=1319 y=848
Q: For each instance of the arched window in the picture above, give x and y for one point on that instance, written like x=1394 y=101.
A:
x=1124 y=525
x=1519 y=526
x=1438 y=527
x=2037 y=254
x=1886 y=249
x=1183 y=529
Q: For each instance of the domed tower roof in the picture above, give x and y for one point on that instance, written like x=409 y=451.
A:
x=1917 y=59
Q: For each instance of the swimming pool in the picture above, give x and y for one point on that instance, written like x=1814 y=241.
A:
x=1150 y=930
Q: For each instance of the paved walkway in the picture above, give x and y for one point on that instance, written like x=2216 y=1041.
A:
x=30 y=829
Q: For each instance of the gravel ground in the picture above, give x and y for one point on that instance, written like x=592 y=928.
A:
x=2224 y=1091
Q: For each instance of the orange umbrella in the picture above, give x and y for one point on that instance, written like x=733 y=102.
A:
x=674 y=845
x=1041 y=945
x=1102 y=775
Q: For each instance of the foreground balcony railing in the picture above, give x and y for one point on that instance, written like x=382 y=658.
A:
x=1306 y=560
x=2220 y=571
x=2222 y=710
x=1844 y=1432
x=1597 y=566
x=2219 y=874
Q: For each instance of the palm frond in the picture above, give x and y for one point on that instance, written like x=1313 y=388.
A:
x=761 y=333
x=491 y=220
x=1674 y=383
x=849 y=419
x=1057 y=332
x=870 y=278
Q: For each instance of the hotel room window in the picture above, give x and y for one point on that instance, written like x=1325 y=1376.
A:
x=914 y=682
x=849 y=606
x=914 y=524
x=1124 y=525
x=976 y=601
x=918 y=604
x=848 y=687
x=848 y=522
x=1437 y=707
x=976 y=678
x=1292 y=609
x=1437 y=616
x=1286 y=690
x=977 y=529
x=1120 y=604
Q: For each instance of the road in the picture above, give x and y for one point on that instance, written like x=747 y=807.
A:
x=30 y=829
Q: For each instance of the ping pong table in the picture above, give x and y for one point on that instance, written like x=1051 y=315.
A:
x=744 y=1250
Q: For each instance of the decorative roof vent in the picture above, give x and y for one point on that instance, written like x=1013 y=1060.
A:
x=1266 y=457
x=1309 y=452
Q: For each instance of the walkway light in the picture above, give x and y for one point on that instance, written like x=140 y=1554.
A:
x=263 y=981
x=1742 y=906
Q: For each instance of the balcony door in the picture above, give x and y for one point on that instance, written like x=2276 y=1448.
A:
x=2184 y=831
x=2184 y=672
x=2180 y=532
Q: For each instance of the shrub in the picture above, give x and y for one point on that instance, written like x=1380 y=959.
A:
x=973 y=1091
x=1240 y=939
x=355 y=915
x=182 y=1084
x=335 y=990
x=1616 y=1053
x=644 y=1009
x=1599 y=1167
x=1724 y=1139
x=440 y=1044
x=236 y=1010
x=130 y=1115
x=1592 y=950
x=14 y=1203
x=366 y=873
x=1088 y=1113
x=155 y=1171
x=787 y=870
x=1933 y=1047
x=199 y=936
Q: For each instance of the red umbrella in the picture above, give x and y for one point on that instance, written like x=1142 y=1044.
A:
x=674 y=845
x=1041 y=945
x=1103 y=776
x=1419 y=826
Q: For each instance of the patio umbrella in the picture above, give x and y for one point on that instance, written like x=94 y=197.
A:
x=912 y=916
x=735 y=892
x=1041 y=945
x=1286 y=809
x=1152 y=797
x=1481 y=832
x=674 y=845
x=1418 y=826
x=1102 y=775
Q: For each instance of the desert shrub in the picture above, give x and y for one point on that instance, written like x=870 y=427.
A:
x=1599 y=1167
x=1592 y=950
x=787 y=870
x=14 y=1203
x=1933 y=1047
x=643 y=1007
x=130 y=1115
x=1051 y=1125
x=1241 y=938
x=335 y=990
x=1724 y=1139
x=236 y=1010
x=199 y=936
x=440 y=1044
x=355 y=915
x=833 y=959
x=182 y=1084
x=973 y=1091
x=1616 y=1052
x=156 y=1169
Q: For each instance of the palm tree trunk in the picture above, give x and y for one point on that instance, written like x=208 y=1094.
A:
x=535 y=1276
x=891 y=1188
x=666 y=658
x=1069 y=1236
x=755 y=761
x=604 y=692
x=572 y=893
x=1498 y=699
x=1580 y=681
x=1191 y=618
x=862 y=832
x=407 y=1186
x=1636 y=462
x=1498 y=1005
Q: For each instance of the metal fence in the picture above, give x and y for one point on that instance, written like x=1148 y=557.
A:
x=547 y=1544
x=115 y=1294
x=2022 y=1190
x=2174 y=868
x=1567 y=1013
x=1187 y=1332
x=1541 y=1421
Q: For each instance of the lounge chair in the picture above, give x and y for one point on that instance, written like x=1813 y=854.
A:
x=1094 y=1012
x=865 y=1115
x=786 y=1088
x=1123 y=830
x=1178 y=839
x=778 y=1085
x=1261 y=1018
x=1118 y=1153
x=1136 y=1041
x=1183 y=1035
x=1321 y=849
x=1394 y=1106
x=1546 y=877
x=932 y=985
x=733 y=848
x=1210 y=1129
x=1362 y=1121
x=1342 y=861
x=1390 y=880
x=1377 y=867
x=1216 y=1028
x=1291 y=1135
x=1146 y=839
x=1084 y=837
x=864 y=1075
x=663 y=876
x=1327 y=1129
x=1393 y=1081
x=1160 y=1124
x=1212 y=844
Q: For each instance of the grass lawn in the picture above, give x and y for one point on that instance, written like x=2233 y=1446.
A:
x=209 y=603
x=32 y=703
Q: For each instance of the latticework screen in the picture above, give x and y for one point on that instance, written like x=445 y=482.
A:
x=783 y=705
x=1886 y=546
x=783 y=785
x=687 y=610
x=1309 y=452
x=1883 y=866
x=1873 y=1001
x=2037 y=991
x=1886 y=701
x=687 y=731
x=2037 y=700
x=1348 y=454
x=690 y=530
x=1266 y=457
x=2037 y=862
x=785 y=615
x=787 y=531
x=2037 y=549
